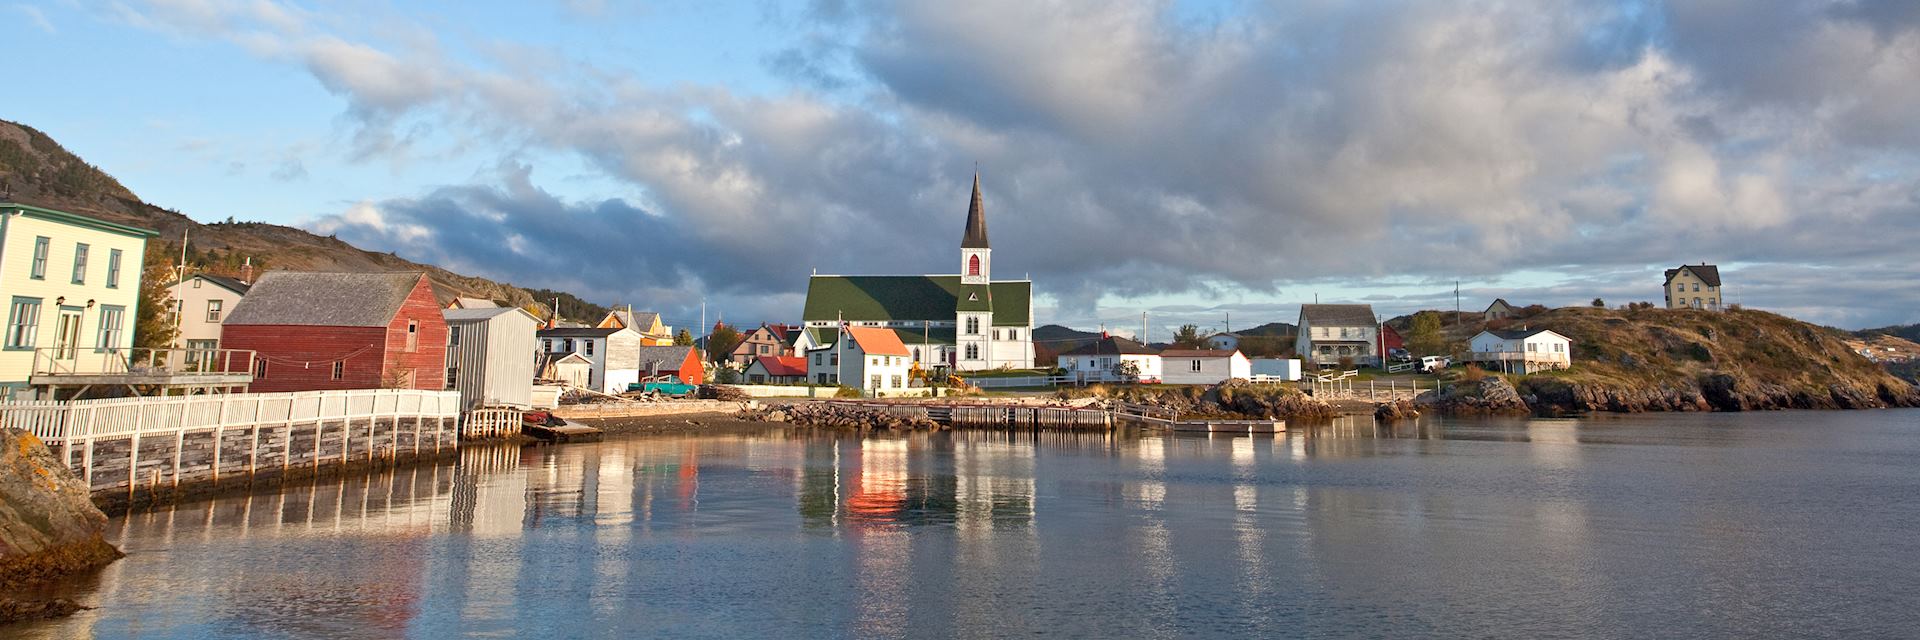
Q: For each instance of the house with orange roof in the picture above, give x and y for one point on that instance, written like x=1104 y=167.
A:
x=871 y=359
x=777 y=370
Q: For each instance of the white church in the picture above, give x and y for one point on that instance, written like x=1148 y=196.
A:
x=966 y=322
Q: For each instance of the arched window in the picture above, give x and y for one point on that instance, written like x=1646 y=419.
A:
x=973 y=265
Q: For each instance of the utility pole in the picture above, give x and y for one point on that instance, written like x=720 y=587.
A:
x=839 y=337
x=1456 y=303
x=180 y=307
x=703 y=325
x=1143 y=328
x=1229 y=322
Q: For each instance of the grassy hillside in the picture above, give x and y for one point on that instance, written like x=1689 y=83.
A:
x=36 y=170
x=1683 y=359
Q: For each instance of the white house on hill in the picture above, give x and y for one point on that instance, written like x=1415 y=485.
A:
x=1522 y=351
x=1330 y=333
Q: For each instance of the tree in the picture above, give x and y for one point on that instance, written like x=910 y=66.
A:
x=721 y=342
x=1188 y=337
x=1599 y=303
x=683 y=339
x=151 y=328
x=1424 y=335
x=1126 y=370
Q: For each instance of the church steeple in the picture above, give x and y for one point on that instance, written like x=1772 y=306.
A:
x=976 y=237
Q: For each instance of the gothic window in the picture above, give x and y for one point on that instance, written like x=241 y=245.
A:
x=973 y=265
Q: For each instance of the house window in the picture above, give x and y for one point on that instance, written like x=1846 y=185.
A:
x=834 y=360
x=1531 y=347
x=111 y=319
x=196 y=283
x=41 y=245
x=23 y=323
x=80 y=263
x=764 y=349
x=213 y=310
x=453 y=374
x=567 y=345
x=916 y=354
x=413 y=335
x=816 y=359
x=546 y=345
x=340 y=369
x=1194 y=366
x=453 y=336
x=1559 y=348
x=973 y=265
x=260 y=369
x=113 y=269
x=587 y=345
x=874 y=381
x=896 y=382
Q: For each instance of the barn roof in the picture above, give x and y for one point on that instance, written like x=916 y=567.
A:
x=325 y=299
x=1337 y=315
x=663 y=358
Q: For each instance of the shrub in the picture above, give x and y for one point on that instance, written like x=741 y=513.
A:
x=847 y=392
x=1473 y=373
x=1599 y=303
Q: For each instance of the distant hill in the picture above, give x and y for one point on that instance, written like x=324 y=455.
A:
x=36 y=170
x=1274 y=329
x=1904 y=331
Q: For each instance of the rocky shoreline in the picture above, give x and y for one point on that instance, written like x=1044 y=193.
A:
x=49 y=526
x=1493 y=395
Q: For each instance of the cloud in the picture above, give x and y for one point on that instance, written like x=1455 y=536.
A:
x=1130 y=150
x=37 y=18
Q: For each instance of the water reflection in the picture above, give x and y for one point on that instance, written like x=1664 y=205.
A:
x=1681 y=525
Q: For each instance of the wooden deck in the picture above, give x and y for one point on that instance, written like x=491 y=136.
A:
x=1232 y=426
x=562 y=433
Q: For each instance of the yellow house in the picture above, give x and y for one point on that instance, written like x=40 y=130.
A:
x=72 y=287
x=1694 y=286
x=652 y=332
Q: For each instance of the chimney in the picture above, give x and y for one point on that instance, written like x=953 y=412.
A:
x=246 y=271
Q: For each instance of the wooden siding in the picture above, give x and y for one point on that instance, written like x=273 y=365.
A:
x=427 y=361
x=494 y=361
x=300 y=358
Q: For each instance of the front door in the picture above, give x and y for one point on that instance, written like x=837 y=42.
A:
x=66 y=336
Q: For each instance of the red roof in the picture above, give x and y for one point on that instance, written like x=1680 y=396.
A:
x=875 y=341
x=784 y=365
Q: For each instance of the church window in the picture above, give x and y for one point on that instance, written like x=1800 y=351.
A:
x=996 y=334
x=973 y=265
x=973 y=352
x=973 y=325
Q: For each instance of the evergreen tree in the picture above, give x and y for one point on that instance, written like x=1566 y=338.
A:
x=684 y=339
x=151 y=327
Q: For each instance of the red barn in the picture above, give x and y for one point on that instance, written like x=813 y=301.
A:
x=316 y=331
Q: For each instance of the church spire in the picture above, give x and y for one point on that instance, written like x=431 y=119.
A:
x=976 y=237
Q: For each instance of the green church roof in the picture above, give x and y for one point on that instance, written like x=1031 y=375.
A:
x=938 y=298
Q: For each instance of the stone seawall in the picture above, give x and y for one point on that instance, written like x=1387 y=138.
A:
x=122 y=473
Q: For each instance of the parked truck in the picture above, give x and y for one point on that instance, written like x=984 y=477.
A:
x=670 y=386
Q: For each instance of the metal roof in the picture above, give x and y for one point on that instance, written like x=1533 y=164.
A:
x=325 y=299
x=1110 y=346
x=936 y=298
x=976 y=235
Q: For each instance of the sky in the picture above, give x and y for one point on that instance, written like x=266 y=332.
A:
x=1192 y=161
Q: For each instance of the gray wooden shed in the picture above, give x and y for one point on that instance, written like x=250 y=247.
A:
x=490 y=356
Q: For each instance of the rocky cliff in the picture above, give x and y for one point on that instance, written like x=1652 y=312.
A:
x=1684 y=360
x=48 y=524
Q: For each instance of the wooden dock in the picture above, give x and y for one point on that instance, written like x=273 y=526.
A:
x=986 y=416
x=562 y=433
x=1232 y=426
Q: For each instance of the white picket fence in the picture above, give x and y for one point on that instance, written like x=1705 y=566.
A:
x=107 y=419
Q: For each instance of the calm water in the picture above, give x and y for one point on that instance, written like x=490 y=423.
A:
x=1754 y=525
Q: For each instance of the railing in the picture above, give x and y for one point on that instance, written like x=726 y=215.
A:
x=137 y=362
x=61 y=422
x=1518 y=356
x=490 y=423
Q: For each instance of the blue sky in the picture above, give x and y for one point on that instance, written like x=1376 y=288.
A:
x=1187 y=159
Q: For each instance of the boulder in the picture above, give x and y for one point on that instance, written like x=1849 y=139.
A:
x=1395 y=411
x=48 y=523
x=1490 y=395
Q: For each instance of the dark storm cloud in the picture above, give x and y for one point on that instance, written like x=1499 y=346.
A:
x=1128 y=150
